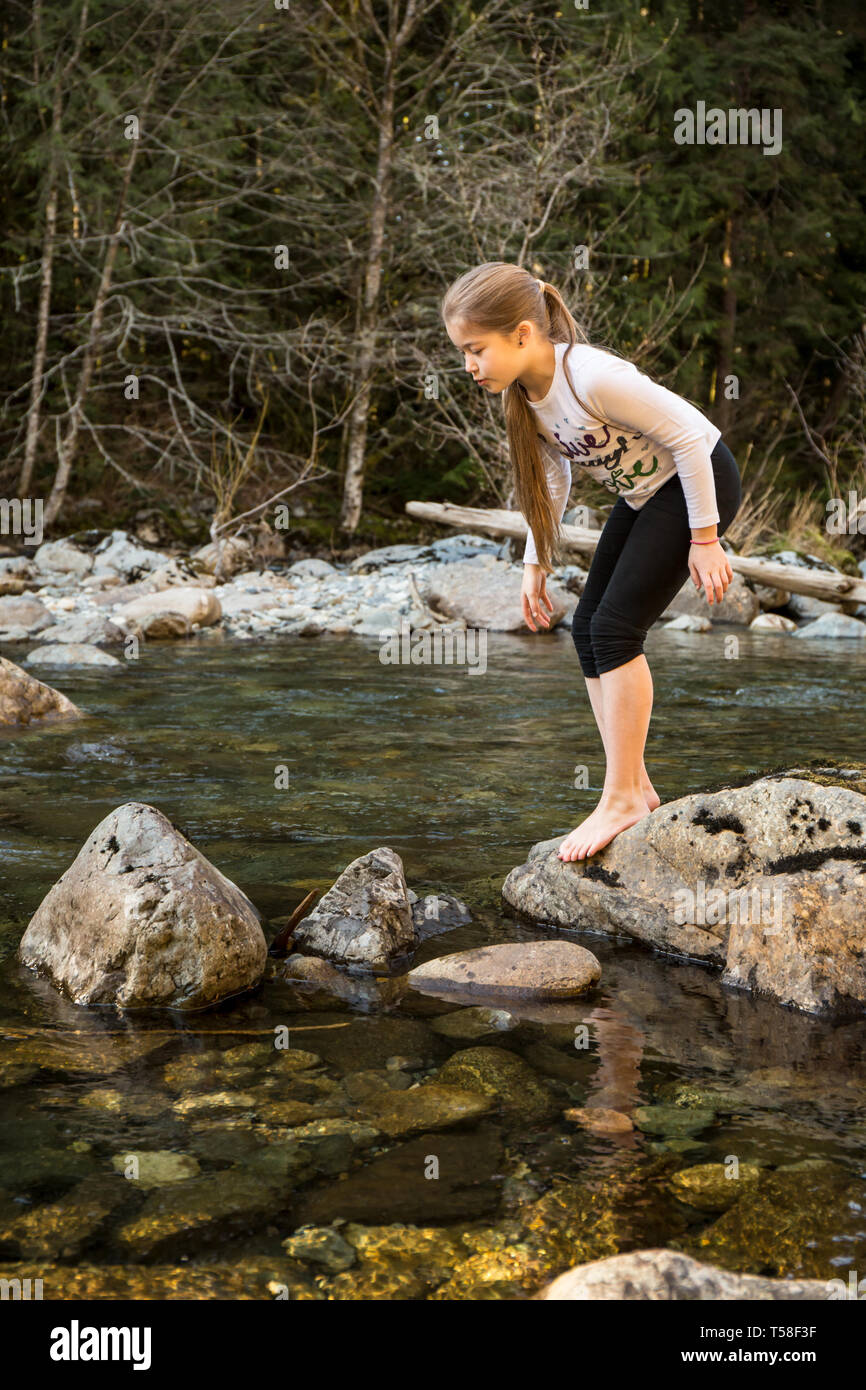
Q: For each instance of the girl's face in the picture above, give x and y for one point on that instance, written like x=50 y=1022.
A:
x=491 y=360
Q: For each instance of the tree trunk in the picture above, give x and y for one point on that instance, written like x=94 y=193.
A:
x=353 y=483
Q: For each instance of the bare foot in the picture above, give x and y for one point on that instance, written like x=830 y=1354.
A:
x=650 y=795
x=600 y=827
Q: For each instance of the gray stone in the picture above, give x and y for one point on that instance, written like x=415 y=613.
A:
x=71 y=654
x=96 y=629
x=365 y=917
x=834 y=625
x=63 y=557
x=689 y=622
x=141 y=918
x=485 y=593
x=25 y=611
x=739 y=604
x=312 y=568
x=121 y=554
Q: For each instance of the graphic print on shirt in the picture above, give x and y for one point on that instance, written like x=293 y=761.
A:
x=614 y=462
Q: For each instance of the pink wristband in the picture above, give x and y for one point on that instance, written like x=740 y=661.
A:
x=714 y=541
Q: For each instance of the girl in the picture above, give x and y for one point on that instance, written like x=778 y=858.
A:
x=677 y=484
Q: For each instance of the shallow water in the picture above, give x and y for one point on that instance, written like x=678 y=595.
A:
x=460 y=774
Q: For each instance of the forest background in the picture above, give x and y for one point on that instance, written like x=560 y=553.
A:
x=227 y=226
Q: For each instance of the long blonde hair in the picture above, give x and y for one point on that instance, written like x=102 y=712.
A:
x=495 y=297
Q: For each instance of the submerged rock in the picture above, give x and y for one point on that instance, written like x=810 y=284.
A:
x=795 y=1223
x=25 y=700
x=142 y=919
x=666 y=1275
x=766 y=880
x=505 y=1077
x=423 y=1109
x=710 y=1186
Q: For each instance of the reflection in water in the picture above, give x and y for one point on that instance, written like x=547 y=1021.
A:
x=460 y=775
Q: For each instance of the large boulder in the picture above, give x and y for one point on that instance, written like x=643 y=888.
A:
x=666 y=1275
x=365 y=919
x=764 y=880
x=141 y=919
x=485 y=592
x=25 y=700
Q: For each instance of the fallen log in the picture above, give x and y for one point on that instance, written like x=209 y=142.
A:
x=833 y=588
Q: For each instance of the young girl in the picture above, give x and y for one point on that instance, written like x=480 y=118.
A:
x=677 y=484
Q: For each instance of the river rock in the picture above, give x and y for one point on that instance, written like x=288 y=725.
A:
x=63 y=557
x=437 y=912
x=24 y=611
x=71 y=654
x=17 y=567
x=764 y=880
x=492 y=1071
x=227 y=557
x=25 y=700
x=517 y=969
x=365 y=918
x=96 y=629
x=154 y=1167
x=141 y=918
x=196 y=604
x=312 y=569
x=689 y=622
x=773 y=622
x=710 y=1187
x=423 y=1109
x=485 y=592
x=666 y=1275
x=739 y=604
x=121 y=554
x=834 y=625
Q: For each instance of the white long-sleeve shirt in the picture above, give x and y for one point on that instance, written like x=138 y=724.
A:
x=638 y=436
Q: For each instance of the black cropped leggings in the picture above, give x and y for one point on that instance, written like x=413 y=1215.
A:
x=640 y=564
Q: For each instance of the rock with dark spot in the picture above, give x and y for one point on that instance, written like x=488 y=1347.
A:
x=365 y=918
x=141 y=919
x=766 y=880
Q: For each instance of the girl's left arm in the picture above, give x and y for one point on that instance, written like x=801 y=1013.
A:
x=618 y=392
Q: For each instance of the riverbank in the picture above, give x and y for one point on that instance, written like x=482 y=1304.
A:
x=77 y=597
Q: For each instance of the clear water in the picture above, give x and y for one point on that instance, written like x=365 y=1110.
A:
x=460 y=774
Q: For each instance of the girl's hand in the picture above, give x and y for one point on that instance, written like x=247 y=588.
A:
x=534 y=594
x=711 y=570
